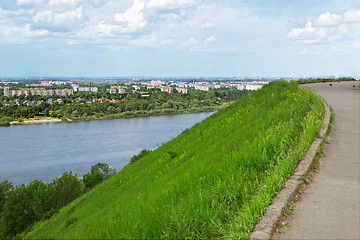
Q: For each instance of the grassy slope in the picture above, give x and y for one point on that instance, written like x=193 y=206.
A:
x=214 y=180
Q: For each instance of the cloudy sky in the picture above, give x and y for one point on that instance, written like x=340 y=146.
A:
x=172 y=38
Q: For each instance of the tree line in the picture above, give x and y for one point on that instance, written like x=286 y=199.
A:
x=26 y=204
x=131 y=105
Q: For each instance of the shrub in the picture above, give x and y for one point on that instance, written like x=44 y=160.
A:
x=97 y=174
x=138 y=156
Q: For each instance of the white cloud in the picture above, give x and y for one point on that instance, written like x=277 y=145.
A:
x=328 y=19
x=58 y=22
x=172 y=4
x=67 y=4
x=104 y=29
x=210 y=39
x=89 y=21
x=30 y=2
x=307 y=33
x=133 y=18
x=21 y=35
x=334 y=34
x=208 y=25
x=191 y=41
x=329 y=29
x=352 y=16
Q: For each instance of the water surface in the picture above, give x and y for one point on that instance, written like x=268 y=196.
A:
x=45 y=151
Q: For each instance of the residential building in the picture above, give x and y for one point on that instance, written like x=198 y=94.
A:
x=7 y=91
x=41 y=92
x=166 y=89
x=182 y=90
x=88 y=89
x=204 y=87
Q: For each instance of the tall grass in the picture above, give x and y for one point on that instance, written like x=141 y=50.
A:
x=213 y=181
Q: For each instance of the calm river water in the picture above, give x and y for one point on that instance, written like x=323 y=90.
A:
x=45 y=151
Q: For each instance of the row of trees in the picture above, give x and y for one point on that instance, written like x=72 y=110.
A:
x=156 y=103
x=24 y=205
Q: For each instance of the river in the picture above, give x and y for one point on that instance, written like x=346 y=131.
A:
x=47 y=150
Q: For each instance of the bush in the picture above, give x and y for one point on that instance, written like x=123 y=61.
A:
x=4 y=122
x=97 y=174
x=138 y=156
x=5 y=189
x=21 y=209
x=65 y=189
x=168 y=110
x=27 y=204
x=92 y=179
x=127 y=114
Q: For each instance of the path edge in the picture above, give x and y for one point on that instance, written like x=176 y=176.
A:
x=268 y=223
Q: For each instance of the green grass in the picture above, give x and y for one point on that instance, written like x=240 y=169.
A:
x=213 y=181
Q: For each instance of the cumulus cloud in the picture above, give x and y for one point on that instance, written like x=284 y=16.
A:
x=29 y=2
x=129 y=23
x=58 y=21
x=328 y=26
x=210 y=39
x=21 y=35
x=307 y=33
x=173 y=4
x=332 y=33
x=96 y=19
x=352 y=16
x=133 y=18
x=208 y=25
x=328 y=19
x=191 y=41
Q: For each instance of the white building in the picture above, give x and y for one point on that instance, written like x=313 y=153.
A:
x=166 y=89
x=156 y=83
x=204 y=87
x=7 y=91
x=136 y=87
x=253 y=87
x=182 y=90
x=112 y=91
x=87 y=89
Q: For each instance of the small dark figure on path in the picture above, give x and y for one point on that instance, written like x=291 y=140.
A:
x=330 y=84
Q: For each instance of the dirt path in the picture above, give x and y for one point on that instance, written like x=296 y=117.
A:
x=330 y=207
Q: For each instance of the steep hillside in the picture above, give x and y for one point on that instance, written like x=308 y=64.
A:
x=214 y=180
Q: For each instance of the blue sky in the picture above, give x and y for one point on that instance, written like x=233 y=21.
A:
x=179 y=38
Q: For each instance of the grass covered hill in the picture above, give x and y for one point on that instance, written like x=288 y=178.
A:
x=214 y=180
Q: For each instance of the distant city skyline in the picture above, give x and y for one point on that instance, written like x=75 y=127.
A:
x=179 y=38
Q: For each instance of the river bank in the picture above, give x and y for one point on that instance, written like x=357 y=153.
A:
x=35 y=120
x=136 y=114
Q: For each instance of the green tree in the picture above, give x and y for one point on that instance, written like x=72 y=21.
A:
x=92 y=179
x=97 y=174
x=64 y=190
x=19 y=211
x=140 y=155
x=5 y=189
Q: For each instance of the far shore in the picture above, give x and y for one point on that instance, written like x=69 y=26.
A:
x=36 y=120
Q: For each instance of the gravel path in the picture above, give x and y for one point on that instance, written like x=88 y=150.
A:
x=330 y=207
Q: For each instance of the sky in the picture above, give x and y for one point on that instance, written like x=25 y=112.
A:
x=179 y=38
